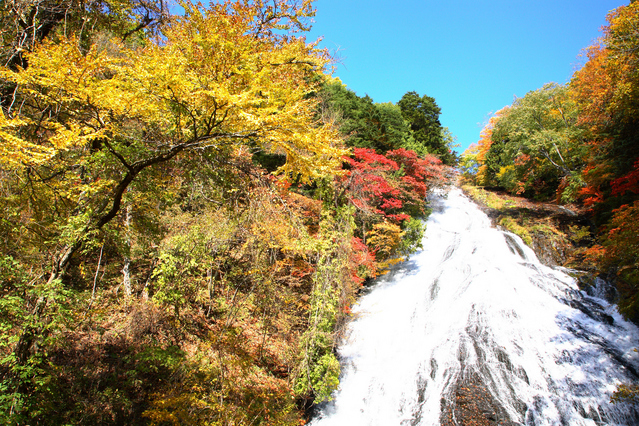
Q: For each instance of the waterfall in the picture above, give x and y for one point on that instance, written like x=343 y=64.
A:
x=474 y=328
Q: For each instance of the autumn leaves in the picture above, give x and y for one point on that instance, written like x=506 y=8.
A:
x=132 y=156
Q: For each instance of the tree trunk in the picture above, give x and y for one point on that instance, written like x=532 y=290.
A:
x=126 y=273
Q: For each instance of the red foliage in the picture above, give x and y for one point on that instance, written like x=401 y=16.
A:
x=596 y=176
x=419 y=173
x=362 y=263
x=392 y=185
x=627 y=183
x=369 y=182
x=591 y=196
x=391 y=203
x=367 y=158
x=522 y=160
x=398 y=217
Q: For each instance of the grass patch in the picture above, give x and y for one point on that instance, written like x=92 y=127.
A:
x=512 y=225
x=489 y=199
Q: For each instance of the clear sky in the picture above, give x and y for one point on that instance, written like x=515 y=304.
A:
x=472 y=56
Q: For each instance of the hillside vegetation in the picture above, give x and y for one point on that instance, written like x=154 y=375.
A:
x=190 y=206
x=579 y=143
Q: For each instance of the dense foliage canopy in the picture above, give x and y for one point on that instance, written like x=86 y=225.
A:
x=184 y=230
x=412 y=123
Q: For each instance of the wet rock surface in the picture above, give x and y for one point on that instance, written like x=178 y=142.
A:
x=473 y=405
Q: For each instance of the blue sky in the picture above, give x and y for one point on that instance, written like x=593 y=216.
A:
x=473 y=57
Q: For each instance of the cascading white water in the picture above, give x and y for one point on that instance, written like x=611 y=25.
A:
x=476 y=303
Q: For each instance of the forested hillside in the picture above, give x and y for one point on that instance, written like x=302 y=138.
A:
x=190 y=205
x=579 y=143
x=412 y=123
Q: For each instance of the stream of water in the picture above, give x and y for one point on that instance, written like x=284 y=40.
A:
x=476 y=304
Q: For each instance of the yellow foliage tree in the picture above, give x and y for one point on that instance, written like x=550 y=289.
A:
x=92 y=121
x=386 y=239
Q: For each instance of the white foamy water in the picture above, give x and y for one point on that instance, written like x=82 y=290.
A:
x=476 y=301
